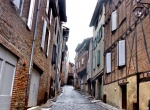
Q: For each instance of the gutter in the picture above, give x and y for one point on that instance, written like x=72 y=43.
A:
x=31 y=57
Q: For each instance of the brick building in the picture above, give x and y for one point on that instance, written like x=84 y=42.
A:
x=97 y=66
x=126 y=72
x=81 y=63
x=27 y=38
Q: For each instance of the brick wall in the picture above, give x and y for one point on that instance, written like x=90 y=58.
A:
x=15 y=36
x=111 y=38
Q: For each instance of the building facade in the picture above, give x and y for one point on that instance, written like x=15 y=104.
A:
x=97 y=22
x=26 y=45
x=126 y=72
x=81 y=63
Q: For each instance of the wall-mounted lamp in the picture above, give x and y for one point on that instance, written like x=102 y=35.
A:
x=139 y=5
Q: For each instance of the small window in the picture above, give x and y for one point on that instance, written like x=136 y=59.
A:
x=79 y=64
x=17 y=3
x=108 y=62
x=98 y=57
x=121 y=53
x=94 y=63
x=55 y=26
x=114 y=21
x=82 y=61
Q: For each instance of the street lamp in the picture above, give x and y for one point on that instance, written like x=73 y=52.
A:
x=139 y=5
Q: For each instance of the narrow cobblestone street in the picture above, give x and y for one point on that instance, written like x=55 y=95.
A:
x=70 y=99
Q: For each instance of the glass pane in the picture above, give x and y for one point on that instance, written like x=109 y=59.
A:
x=7 y=79
x=0 y=65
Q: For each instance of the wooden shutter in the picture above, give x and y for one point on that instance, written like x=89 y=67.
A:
x=31 y=12
x=51 y=15
x=82 y=61
x=16 y=3
x=108 y=62
x=94 y=62
x=98 y=57
x=114 y=20
x=47 y=7
x=121 y=53
x=48 y=45
x=43 y=34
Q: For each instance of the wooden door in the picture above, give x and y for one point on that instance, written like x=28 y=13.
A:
x=124 y=97
x=7 y=73
x=34 y=87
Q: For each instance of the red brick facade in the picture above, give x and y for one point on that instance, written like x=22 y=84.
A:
x=17 y=38
x=128 y=28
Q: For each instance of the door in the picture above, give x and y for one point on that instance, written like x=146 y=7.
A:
x=7 y=73
x=124 y=97
x=34 y=87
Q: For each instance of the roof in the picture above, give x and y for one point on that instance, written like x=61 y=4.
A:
x=96 y=12
x=87 y=41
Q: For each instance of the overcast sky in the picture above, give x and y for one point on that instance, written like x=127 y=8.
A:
x=79 y=14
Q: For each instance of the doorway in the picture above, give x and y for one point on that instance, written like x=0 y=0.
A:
x=124 y=97
x=34 y=88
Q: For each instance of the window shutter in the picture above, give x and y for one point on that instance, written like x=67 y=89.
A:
x=98 y=57
x=121 y=53
x=114 y=20
x=82 y=61
x=47 y=7
x=16 y=3
x=94 y=63
x=48 y=45
x=30 y=16
x=108 y=62
x=43 y=34
x=51 y=15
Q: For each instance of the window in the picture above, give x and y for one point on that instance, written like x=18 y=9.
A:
x=94 y=62
x=99 y=34
x=54 y=55
x=94 y=44
x=48 y=45
x=82 y=61
x=98 y=57
x=55 y=26
x=114 y=20
x=121 y=53
x=30 y=16
x=79 y=64
x=43 y=34
x=16 y=3
x=108 y=62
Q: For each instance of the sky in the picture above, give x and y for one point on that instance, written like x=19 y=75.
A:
x=79 y=14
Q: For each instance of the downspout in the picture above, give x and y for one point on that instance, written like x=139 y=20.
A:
x=137 y=74
x=92 y=67
x=31 y=57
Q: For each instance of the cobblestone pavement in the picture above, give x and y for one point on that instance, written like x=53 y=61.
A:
x=70 y=99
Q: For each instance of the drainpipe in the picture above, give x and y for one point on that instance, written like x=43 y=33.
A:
x=137 y=74
x=92 y=67
x=31 y=57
